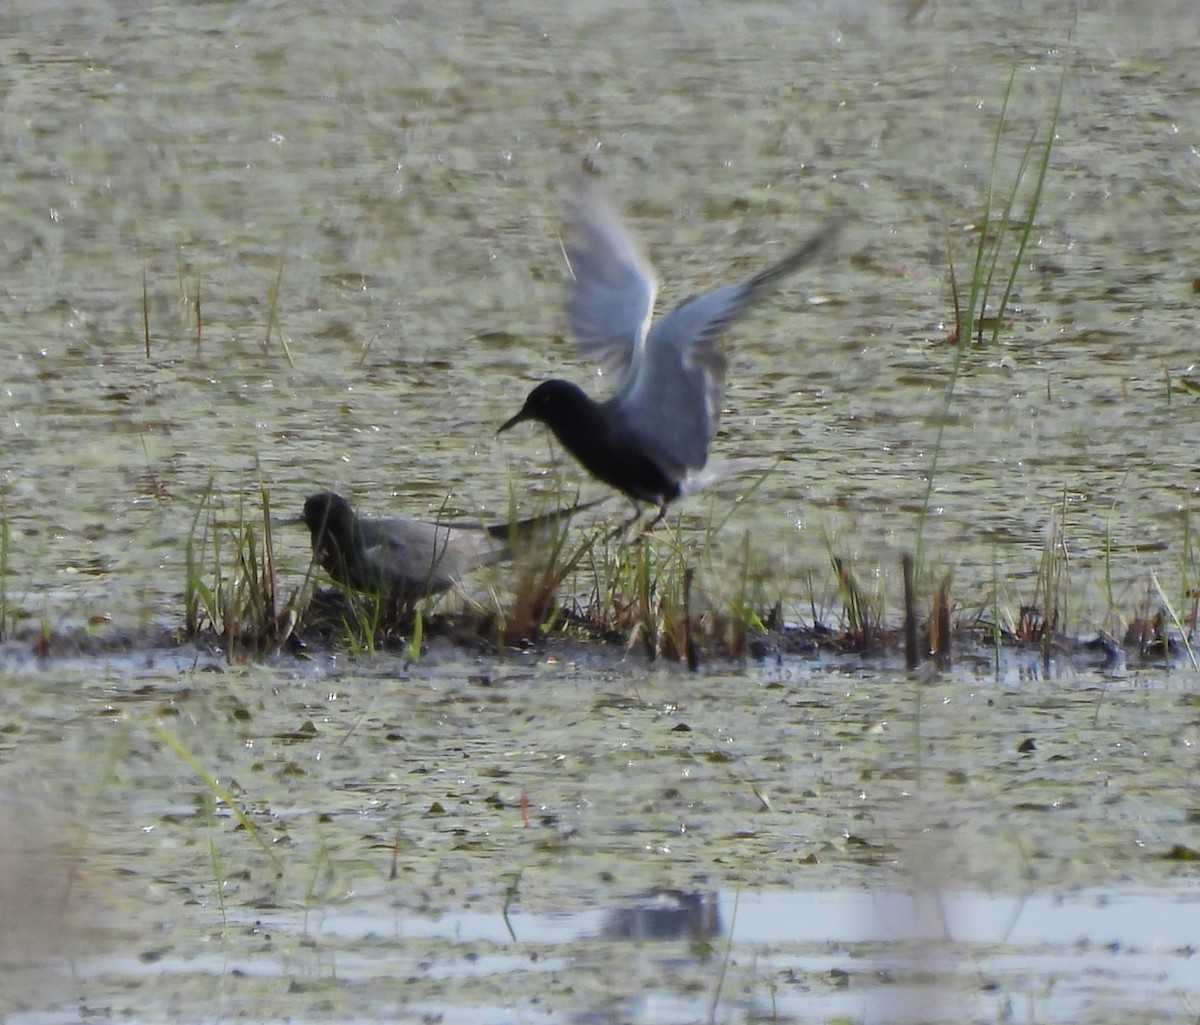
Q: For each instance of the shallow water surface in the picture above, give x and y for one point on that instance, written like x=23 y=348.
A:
x=808 y=956
x=316 y=246
x=843 y=843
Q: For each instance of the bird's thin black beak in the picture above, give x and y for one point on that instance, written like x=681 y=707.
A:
x=289 y=521
x=513 y=421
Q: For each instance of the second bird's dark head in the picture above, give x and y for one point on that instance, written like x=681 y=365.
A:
x=330 y=519
x=554 y=403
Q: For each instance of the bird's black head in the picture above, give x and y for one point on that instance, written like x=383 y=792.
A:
x=330 y=520
x=554 y=403
x=595 y=435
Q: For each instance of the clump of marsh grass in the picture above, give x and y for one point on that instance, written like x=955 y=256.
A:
x=653 y=594
x=1186 y=635
x=863 y=611
x=1039 y=618
x=365 y=623
x=538 y=605
x=230 y=586
x=1049 y=611
x=749 y=607
x=369 y=621
x=1146 y=630
x=542 y=564
x=634 y=588
x=746 y=606
x=654 y=591
x=935 y=639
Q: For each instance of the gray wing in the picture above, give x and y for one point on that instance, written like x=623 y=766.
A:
x=673 y=401
x=612 y=299
x=414 y=557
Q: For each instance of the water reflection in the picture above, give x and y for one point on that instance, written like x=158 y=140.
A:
x=892 y=956
x=801 y=955
x=666 y=915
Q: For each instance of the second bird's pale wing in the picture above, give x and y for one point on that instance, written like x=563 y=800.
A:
x=411 y=556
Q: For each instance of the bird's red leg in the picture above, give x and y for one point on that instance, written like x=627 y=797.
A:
x=626 y=524
x=662 y=511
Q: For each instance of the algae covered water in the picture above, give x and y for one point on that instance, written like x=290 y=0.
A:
x=306 y=248
x=490 y=840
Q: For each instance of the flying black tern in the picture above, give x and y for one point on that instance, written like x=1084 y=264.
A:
x=649 y=440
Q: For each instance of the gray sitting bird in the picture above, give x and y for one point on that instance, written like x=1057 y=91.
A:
x=650 y=439
x=406 y=560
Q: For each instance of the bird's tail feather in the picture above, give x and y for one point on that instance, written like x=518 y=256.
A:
x=716 y=470
x=533 y=526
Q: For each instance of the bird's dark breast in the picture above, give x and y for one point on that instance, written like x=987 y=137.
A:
x=335 y=563
x=346 y=559
x=344 y=567
x=637 y=475
x=617 y=459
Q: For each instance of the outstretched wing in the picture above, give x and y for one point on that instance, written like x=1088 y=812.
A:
x=673 y=400
x=612 y=298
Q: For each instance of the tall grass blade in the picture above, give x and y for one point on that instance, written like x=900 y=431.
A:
x=983 y=271
x=4 y=538
x=1170 y=607
x=218 y=791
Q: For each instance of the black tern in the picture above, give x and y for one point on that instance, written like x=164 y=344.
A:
x=406 y=560
x=650 y=439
